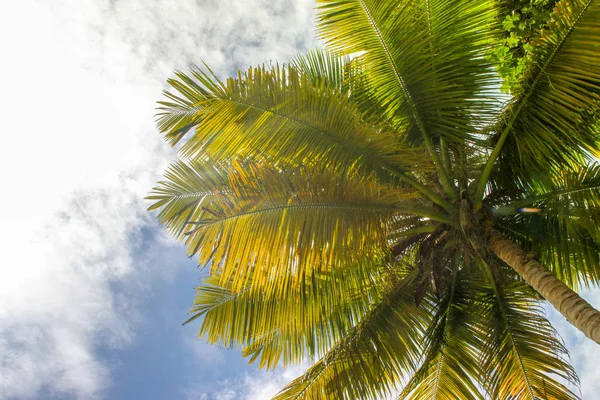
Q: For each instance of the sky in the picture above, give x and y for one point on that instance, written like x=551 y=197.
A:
x=92 y=291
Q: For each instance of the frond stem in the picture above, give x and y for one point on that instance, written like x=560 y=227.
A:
x=445 y=154
x=228 y=298
x=529 y=200
x=420 y=211
x=444 y=178
x=492 y=281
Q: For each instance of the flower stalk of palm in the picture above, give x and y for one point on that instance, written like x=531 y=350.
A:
x=382 y=208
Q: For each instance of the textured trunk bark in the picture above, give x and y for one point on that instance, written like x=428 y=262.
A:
x=575 y=309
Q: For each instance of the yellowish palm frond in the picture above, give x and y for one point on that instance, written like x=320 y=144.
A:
x=451 y=363
x=278 y=113
x=291 y=325
x=254 y=222
x=373 y=356
x=323 y=67
x=524 y=359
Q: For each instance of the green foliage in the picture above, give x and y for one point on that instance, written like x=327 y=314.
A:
x=452 y=344
x=562 y=231
x=521 y=22
x=524 y=358
x=372 y=356
x=550 y=122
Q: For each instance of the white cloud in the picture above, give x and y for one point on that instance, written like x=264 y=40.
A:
x=207 y=356
x=79 y=153
x=257 y=386
x=57 y=302
x=265 y=386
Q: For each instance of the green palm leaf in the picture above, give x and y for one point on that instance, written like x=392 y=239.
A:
x=402 y=46
x=321 y=66
x=374 y=355
x=255 y=222
x=524 y=359
x=451 y=367
x=561 y=229
x=277 y=111
x=298 y=325
x=549 y=120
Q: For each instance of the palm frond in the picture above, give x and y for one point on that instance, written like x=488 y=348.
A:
x=186 y=189
x=577 y=185
x=277 y=112
x=319 y=66
x=265 y=224
x=563 y=231
x=329 y=315
x=551 y=118
x=450 y=367
x=524 y=359
x=347 y=74
x=291 y=326
x=373 y=356
x=424 y=59
x=180 y=112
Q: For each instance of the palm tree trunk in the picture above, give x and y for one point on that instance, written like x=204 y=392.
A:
x=575 y=309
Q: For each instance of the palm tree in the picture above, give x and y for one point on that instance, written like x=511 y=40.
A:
x=382 y=208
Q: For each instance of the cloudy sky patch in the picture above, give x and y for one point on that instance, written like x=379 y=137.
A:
x=79 y=153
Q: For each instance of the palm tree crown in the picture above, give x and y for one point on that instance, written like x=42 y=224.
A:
x=381 y=207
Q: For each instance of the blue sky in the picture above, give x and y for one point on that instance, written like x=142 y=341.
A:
x=166 y=360
x=92 y=291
